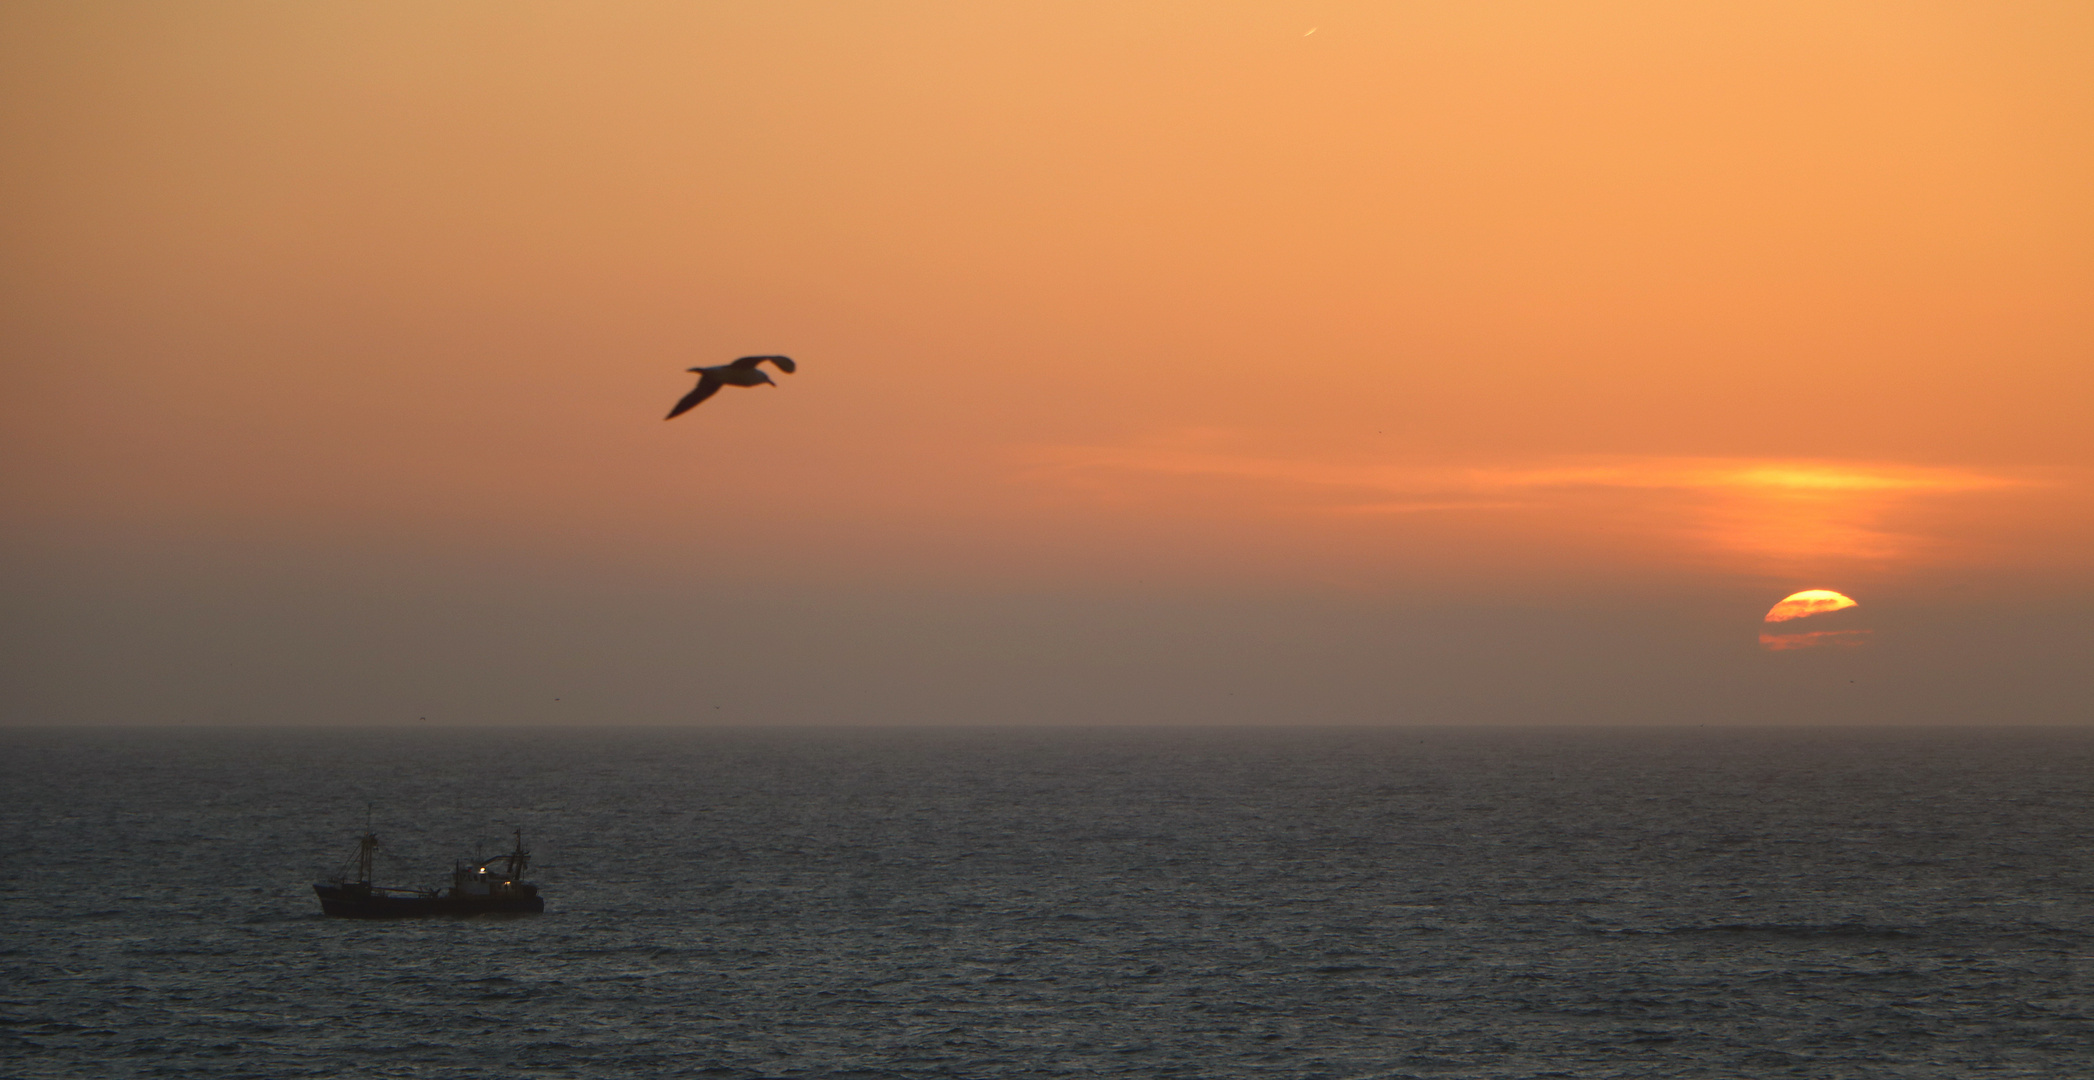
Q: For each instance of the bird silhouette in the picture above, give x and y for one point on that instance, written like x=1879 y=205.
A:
x=742 y=372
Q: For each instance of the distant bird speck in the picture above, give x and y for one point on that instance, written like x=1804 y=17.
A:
x=742 y=372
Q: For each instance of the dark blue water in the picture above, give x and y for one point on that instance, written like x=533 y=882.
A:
x=1019 y=904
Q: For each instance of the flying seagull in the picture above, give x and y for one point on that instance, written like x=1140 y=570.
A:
x=743 y=372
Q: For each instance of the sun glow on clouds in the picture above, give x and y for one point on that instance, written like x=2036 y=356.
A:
x=1816 y=639
x=1760 y=510
x=1711 y=474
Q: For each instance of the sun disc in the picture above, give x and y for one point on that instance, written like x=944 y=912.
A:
x=1808 y=602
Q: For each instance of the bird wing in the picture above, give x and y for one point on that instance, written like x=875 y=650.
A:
x=708 y=385
x=784 y=363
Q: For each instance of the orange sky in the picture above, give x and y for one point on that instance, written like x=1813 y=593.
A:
x=1516 y=299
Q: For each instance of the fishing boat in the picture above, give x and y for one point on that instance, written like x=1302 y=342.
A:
x=492 y=887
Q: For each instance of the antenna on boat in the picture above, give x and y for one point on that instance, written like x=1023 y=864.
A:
x=365 y=847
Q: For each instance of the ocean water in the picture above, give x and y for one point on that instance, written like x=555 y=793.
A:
x=1058 y=903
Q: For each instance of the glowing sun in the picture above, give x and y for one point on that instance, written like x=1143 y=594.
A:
x=1806 y=604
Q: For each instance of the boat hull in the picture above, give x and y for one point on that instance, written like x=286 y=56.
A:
x=355 y=901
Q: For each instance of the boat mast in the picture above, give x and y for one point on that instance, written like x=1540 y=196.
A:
x=365 y=847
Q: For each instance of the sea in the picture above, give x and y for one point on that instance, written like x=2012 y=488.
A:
x=1057 y=902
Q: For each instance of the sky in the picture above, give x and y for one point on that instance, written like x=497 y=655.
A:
x=1176 y=363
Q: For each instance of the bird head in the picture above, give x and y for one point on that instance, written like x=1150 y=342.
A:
x=766 y=379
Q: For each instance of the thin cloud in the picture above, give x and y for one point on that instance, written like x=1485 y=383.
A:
x=1764 y=508
x=1816 y=639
